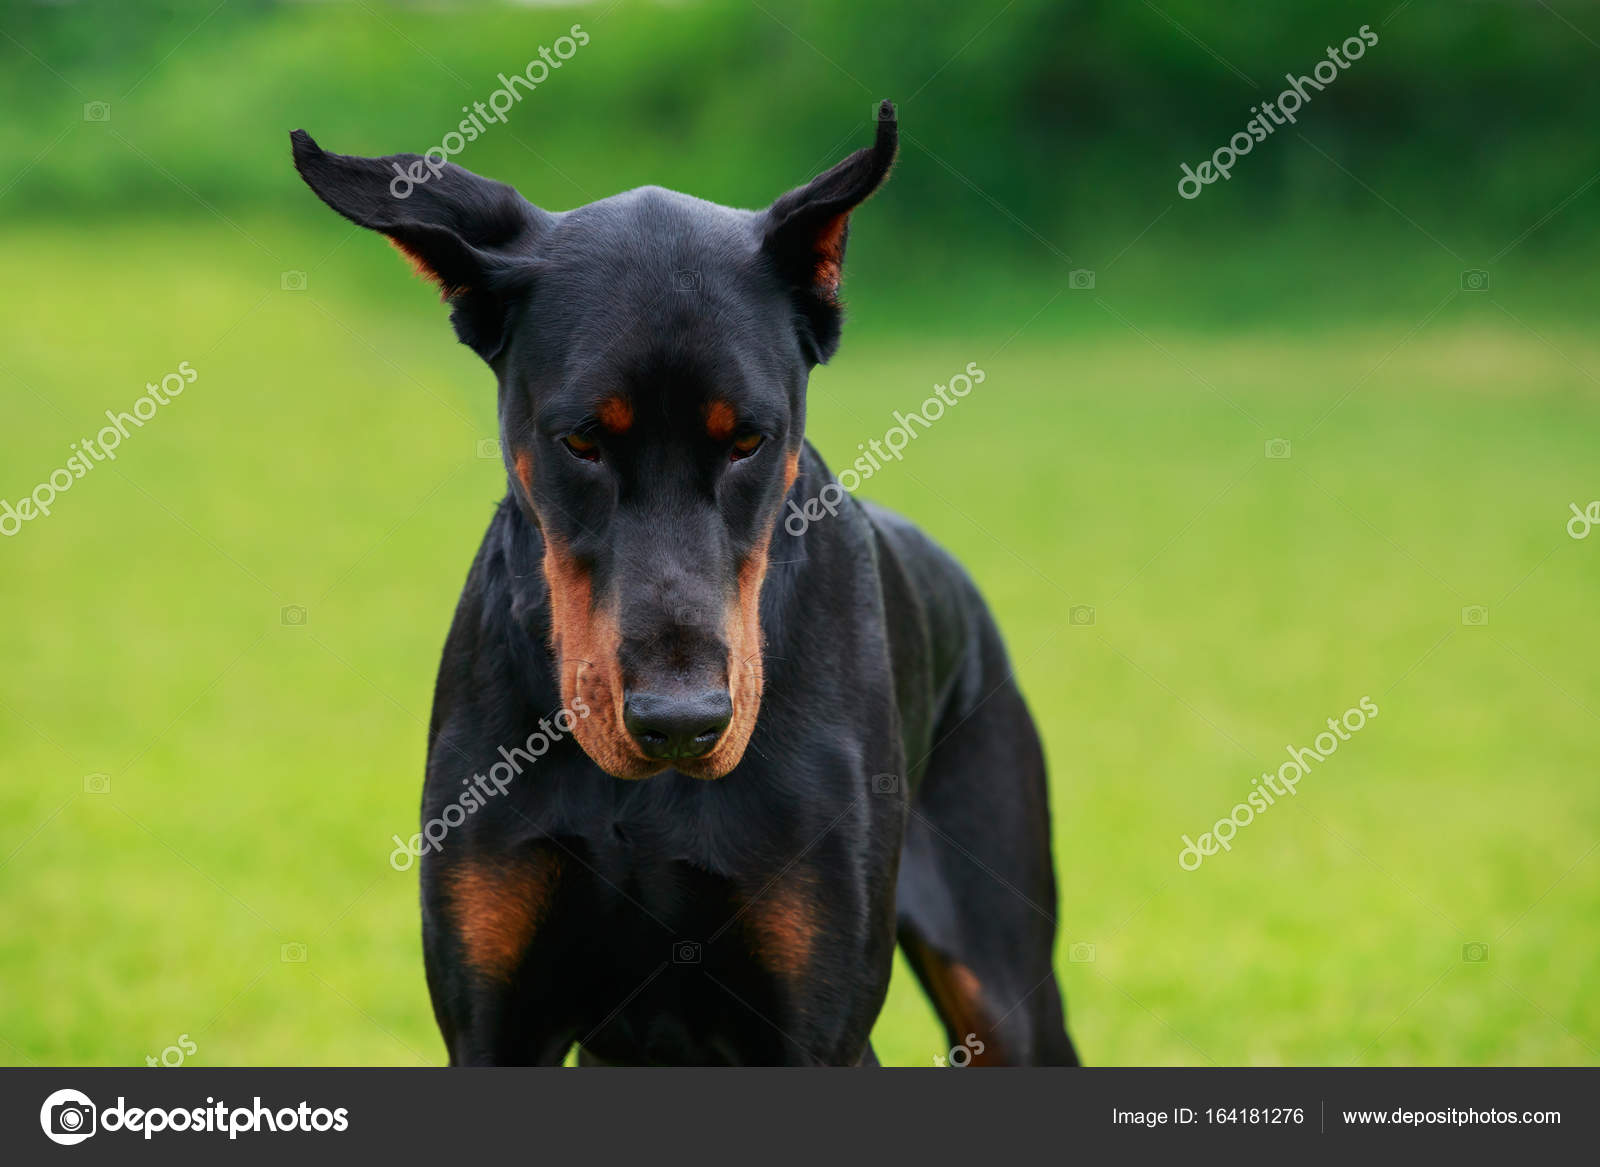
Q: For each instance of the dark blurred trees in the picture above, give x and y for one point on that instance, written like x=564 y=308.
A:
x=1054 y=109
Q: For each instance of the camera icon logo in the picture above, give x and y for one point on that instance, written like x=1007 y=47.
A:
x=292 y=953
x=886 y=784
x=67 y=1117
x=1475 y=616
x=1081 y=615
x=96 y=111
x=489 y=449
x=97 y=784
x=1475 y=280
x=1080 y=279
x=1277 y=447
x=293 y=616
x=686 y=952
x=685 y=280
x=293 y=281
x=1475 y=953
x=1081 y=953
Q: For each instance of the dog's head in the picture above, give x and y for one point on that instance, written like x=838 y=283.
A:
x=652 y=352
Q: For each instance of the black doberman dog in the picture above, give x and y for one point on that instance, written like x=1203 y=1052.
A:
x=692 y=773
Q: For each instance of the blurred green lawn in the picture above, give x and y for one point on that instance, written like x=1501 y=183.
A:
x=327 y=457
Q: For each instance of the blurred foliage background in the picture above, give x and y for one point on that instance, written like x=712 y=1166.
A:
x=1441 y=423
x=1056 y=128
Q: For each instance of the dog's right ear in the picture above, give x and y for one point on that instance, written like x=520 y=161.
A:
x=804 y=233
x=474 y=237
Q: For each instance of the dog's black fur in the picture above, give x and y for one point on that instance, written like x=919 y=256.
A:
x=639 y=600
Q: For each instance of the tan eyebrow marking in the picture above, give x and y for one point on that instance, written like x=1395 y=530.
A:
x=616 y=414
x=720 y=420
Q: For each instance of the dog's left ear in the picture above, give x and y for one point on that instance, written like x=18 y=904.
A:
x=804 y=233
x=472 y=236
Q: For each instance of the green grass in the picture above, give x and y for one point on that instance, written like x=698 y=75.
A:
x=326 y=458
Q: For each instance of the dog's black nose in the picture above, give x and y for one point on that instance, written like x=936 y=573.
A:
x=669 y=728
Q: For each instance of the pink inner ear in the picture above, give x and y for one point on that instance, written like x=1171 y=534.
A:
x=830 y=255
x=422 y=268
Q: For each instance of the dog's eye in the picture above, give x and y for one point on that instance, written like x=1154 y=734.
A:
x=581 y=447
x=745 y=446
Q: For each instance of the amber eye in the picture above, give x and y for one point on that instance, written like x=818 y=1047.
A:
x=745 y=446
x=581 y=447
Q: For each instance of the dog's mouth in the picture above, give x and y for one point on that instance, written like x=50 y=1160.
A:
x=585 y=639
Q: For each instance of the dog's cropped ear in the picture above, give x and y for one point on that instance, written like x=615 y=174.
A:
x=804 y=233
x=472 y=236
